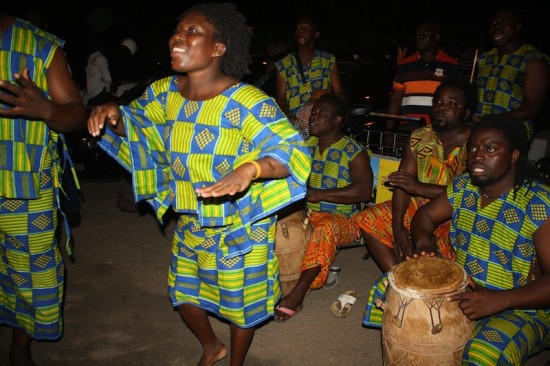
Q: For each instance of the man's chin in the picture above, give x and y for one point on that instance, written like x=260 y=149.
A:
x=438 y=127
x=477 y=181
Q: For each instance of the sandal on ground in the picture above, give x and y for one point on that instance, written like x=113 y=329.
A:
x=286 y=311
x=342 y=306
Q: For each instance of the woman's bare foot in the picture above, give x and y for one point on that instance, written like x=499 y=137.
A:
x=211 y=358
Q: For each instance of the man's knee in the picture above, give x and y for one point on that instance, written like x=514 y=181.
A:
x=484 y=353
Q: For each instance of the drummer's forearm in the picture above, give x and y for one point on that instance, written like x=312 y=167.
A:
x=534 y=295
x=427 y=219
x=422 y=236
x=400 y=203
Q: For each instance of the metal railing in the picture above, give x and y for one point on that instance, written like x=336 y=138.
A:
x=371 y=132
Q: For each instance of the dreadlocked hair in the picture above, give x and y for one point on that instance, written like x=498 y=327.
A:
x=516 y=135
x=231 y=30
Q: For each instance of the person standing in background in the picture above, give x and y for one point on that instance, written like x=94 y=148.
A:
x=513 y=77
x=98 y=75
x=307 y=69
x=419 y=75
x=39 y=101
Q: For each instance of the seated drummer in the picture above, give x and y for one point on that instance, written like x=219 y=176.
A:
x=341 y=177
x=500 y=231
x=435 y=154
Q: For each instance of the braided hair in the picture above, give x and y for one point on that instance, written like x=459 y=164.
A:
x=231 y=30
x=516 y=134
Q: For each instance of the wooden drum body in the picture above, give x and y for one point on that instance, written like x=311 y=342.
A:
x=419 y=326
x=292 y=233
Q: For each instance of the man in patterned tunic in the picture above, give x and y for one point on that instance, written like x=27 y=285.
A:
x=341 y=179
x=38 y=102
x=302 y=72
x=417 y=77
x=512 y=78
x=435 y=155
x=501 y=235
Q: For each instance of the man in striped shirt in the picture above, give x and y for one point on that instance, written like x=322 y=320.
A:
x=419 y=75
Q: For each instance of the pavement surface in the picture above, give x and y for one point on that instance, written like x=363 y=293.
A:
x=117 y=311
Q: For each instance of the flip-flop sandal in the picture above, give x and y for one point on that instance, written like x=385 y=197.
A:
x=342 y=306
x=288 y=312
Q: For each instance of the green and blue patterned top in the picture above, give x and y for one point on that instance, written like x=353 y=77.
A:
x=316 y=77
x=24 y=142
x=331 y=169
x=500 y=81
x=494 y=244
x=175 y=145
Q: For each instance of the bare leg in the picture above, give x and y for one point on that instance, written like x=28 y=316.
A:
x=296 y=297
x=197 y=321
x=383 y=255
x=241 y=339
x=20 y=350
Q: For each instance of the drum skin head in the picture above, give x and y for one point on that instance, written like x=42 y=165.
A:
x=426 y=277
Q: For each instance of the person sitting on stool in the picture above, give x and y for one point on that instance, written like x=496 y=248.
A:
x=341 y=177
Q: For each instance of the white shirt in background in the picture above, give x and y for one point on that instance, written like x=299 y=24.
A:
x=98 y=76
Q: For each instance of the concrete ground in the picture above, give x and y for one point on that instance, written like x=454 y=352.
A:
x=117 y=311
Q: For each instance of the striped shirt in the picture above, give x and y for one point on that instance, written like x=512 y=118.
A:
x=419 y=79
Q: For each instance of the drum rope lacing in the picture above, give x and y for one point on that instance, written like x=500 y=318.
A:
x=397 y=320
x=431 y=304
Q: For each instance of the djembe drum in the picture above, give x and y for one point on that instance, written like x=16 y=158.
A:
x=419 y=326
x=292 y=233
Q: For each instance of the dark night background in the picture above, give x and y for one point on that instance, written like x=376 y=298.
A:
x=368 y=28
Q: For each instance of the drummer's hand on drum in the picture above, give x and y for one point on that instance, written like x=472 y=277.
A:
x=480 y=302
x=103 y=114
x=425 y=249
x=421 y=253
x=402 y=243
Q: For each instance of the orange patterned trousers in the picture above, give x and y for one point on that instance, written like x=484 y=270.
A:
x=330 y=230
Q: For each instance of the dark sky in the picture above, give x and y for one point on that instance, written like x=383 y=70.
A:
x=157 y=17
x=368 y=26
